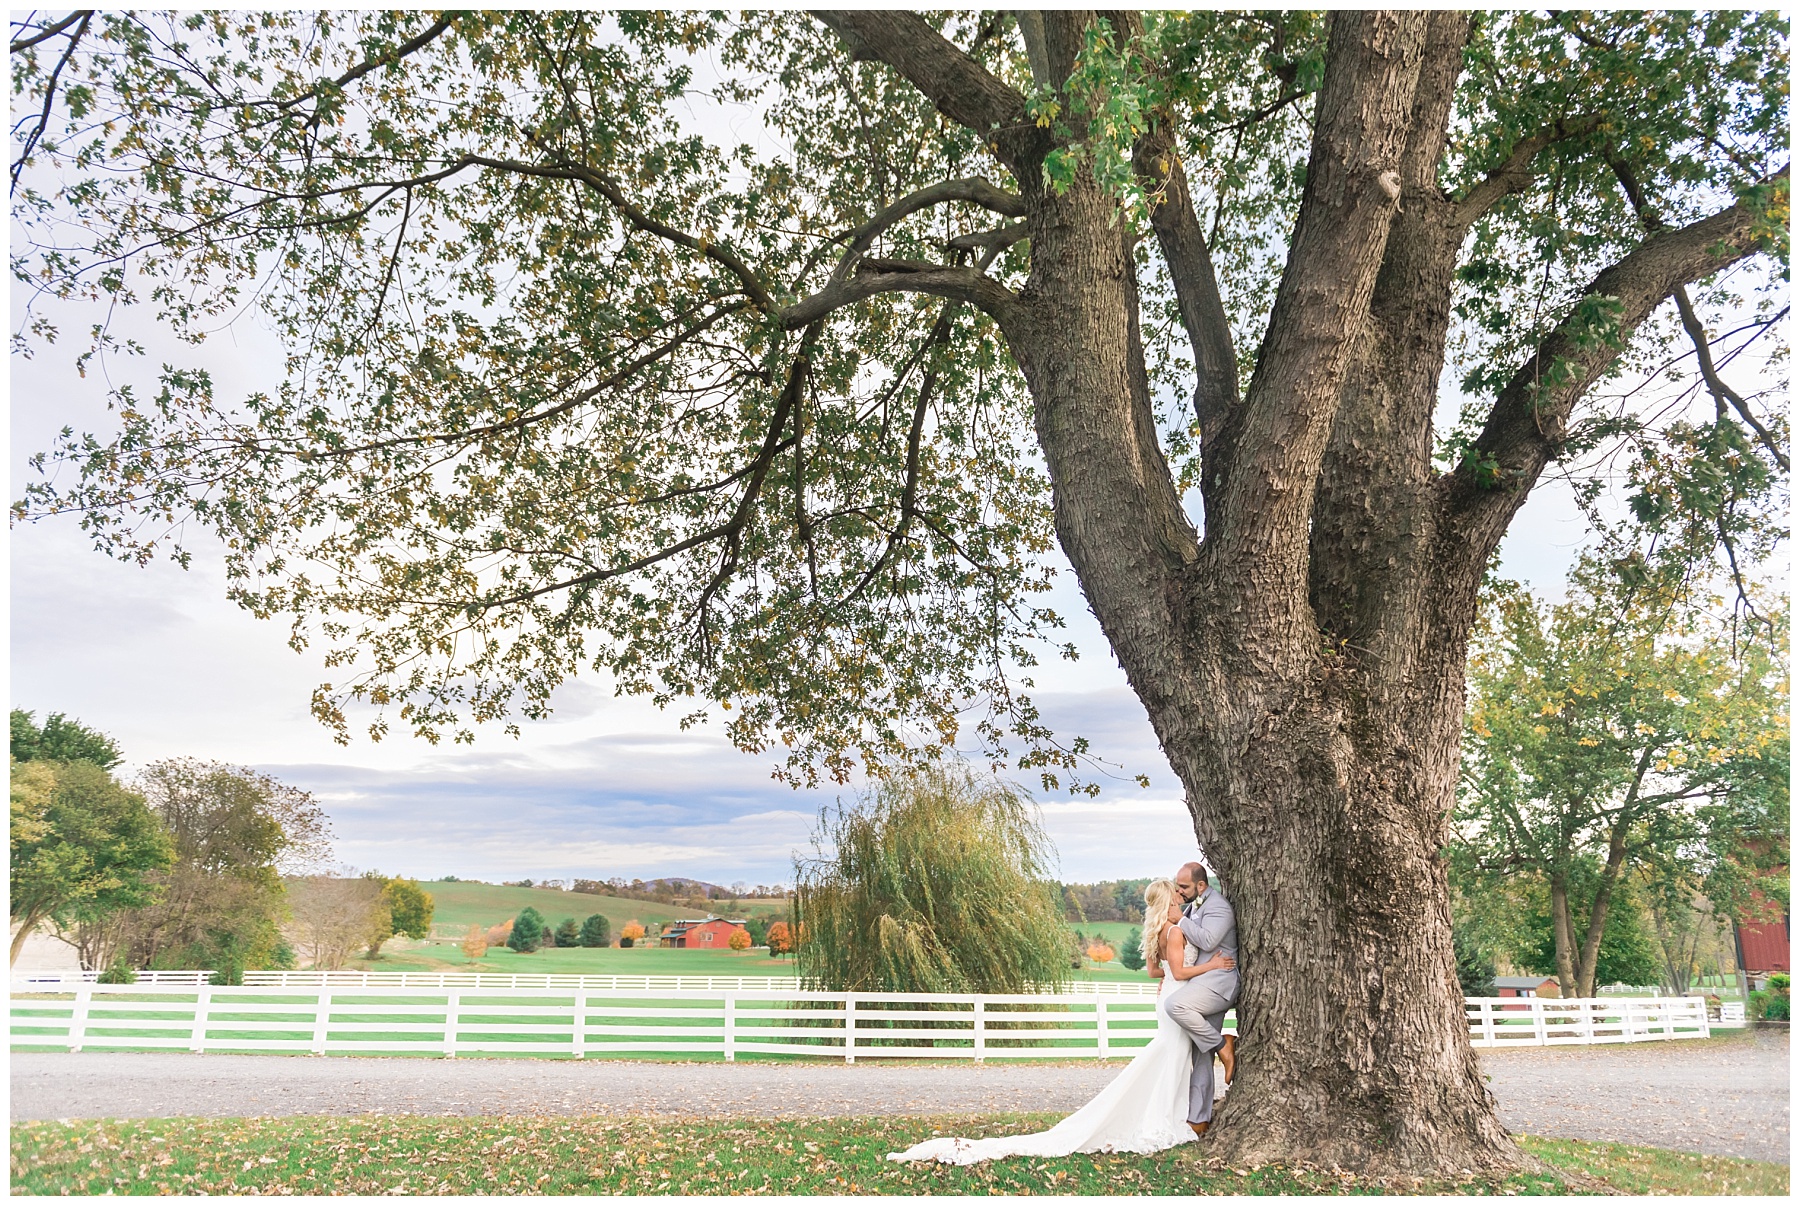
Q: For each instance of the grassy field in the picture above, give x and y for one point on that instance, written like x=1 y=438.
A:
x=580 y=960
x=460 y=904
x=594 y=1155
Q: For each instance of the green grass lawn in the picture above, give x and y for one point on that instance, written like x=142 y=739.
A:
x=596 y=1155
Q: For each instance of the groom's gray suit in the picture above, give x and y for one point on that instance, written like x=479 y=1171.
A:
x=1199 y=1006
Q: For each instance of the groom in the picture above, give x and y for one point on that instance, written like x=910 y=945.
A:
x=1199 y=1006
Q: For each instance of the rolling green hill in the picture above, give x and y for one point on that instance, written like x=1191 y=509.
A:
x=461 y=904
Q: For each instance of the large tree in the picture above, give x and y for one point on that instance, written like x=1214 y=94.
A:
x=575 y=383
x=83 y=847
x=236 y=832
x=1618 y=729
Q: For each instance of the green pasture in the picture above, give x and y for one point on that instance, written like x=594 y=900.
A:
x=814 y=1156
x=580 y=960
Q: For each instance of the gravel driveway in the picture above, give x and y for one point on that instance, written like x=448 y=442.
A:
x=1727 y=1096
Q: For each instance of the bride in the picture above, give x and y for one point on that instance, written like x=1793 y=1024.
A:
x=1145 y=1107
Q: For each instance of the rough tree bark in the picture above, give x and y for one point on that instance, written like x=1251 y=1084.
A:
x=1302 y=663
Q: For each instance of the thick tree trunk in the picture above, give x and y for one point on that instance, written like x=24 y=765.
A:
x=1321 y=789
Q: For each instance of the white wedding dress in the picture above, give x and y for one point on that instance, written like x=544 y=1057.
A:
x=1143 y=1110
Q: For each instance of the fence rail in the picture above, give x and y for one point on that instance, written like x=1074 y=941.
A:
x=20 y=980
x=585 y=1022
x=378 y=979
x=1550 y=1022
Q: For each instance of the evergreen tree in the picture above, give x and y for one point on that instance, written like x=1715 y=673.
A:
x=1131 y=952
x=568 y=933
x=1474 y=970
x=596 y=931
x=527 y=932
x=61 y=740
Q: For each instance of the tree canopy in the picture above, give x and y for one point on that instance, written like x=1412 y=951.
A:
x=578 y=381
x=83 y=846
x=60 y=739
x=1624 y=730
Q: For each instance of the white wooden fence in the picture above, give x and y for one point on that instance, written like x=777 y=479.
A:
x=1550 y=1022
x=379 y=979
x=21 y=980
x=582 y=1022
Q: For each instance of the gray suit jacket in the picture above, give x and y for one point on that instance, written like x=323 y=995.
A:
x=1210 y=926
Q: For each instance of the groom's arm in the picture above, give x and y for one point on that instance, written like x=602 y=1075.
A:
x=1210 y=923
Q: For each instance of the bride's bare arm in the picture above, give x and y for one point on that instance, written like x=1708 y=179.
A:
x=1174 y=950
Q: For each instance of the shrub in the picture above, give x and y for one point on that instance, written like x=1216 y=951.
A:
x=1131 y=955
x=475 y=944
x=527 y=931
x=1779 y=982
x=568 y=933
x=739 y=940
x=1758 y=1002
x=1777 y=1009
x=781 y=939
x=631 y=933
x=118 y=973
x=596 y=931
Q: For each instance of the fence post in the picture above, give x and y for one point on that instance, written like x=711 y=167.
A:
x=78 y=1016
x=580 y=1024
x=321 y=1020
x=730 y=1028
x=1100 y=1025
x=980 y=1030
x=202 y=998
x=1488 y=1028
x=849 y=1027
x=1539 y=1023
x=452 y=1007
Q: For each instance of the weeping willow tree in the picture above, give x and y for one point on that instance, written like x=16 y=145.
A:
x=936 y=882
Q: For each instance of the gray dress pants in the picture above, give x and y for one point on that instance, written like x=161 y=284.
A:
x=1199 y=1007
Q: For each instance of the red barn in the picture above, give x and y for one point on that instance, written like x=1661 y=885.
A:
x=707 y=934
x=1763 y=943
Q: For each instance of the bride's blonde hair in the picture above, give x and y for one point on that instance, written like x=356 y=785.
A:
x=1159 y=894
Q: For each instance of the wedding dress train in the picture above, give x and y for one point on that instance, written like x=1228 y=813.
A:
x=1143 y=1110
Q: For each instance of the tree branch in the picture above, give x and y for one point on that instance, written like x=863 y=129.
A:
x=608 y=382
x=43 y=117
x=1258 y=525
x=609 y=188
x=972 y=189
x=387 y=60
x=1696 y=330
x=50 y=31
x=962 y=89
x=900 y=276
x=1528 y=420
x=1515 y=173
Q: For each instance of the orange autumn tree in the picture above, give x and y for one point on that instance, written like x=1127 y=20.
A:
x=781 y=939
